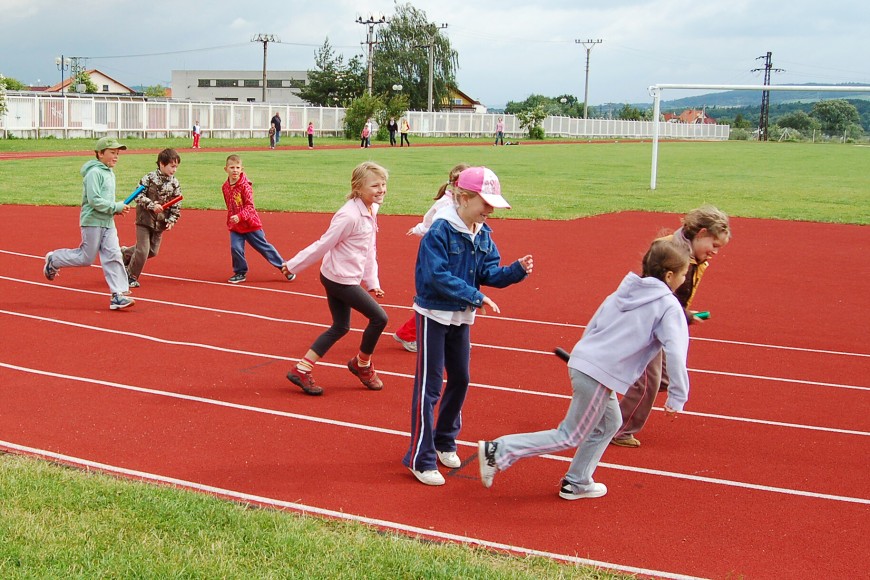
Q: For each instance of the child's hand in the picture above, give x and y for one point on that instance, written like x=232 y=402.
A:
x=234 y=218
x=410 y=232
x=527 y=263
x=126 y=210
x=672 y=413
x=491 y=304
x=377 y=292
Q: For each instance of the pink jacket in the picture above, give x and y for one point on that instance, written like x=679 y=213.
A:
x=348 y=247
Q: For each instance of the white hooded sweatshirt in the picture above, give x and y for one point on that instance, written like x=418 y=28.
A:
x=642 y=317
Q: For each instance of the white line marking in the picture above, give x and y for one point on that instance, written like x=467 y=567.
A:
x=472 y=384
x=405 y=434
x=311 y=510
x=405 y=307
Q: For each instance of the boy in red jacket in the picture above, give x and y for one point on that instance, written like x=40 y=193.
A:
x=244 y=222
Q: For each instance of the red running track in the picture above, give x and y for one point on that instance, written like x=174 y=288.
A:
x=764 y=476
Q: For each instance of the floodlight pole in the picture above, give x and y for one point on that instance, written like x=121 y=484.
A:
x=62 y=65
x=588 y=44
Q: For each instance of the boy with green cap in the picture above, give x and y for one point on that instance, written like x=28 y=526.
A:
x=97 y=221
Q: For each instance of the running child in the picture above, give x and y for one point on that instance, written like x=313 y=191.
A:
x=349 y=258
x=152 y=220
x=97 y=221
x=407 y=333
x=634 y=323
x=704 y=231
x=244 y=223
x=456 y=257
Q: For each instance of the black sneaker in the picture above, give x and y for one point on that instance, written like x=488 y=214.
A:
x=486 y=458
x=570 y=492
x=132 y=282
x=237 y=278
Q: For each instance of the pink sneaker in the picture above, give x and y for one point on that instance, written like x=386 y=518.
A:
x=366 y=375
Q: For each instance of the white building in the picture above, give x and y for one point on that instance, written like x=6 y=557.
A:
x=238 y=85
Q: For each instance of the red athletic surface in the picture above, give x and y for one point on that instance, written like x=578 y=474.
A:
x=777 y=284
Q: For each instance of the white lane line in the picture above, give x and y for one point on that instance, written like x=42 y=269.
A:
x=408 y=376
x=405 y=434
x=340 y=515
x=405 y=307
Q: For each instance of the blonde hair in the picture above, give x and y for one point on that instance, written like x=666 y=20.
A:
x=707 y=217
x=451 y=179
x=664 y=256
x=233 y=159
x=361 y=172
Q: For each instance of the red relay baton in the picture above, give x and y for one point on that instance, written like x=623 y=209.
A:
x=171 y=202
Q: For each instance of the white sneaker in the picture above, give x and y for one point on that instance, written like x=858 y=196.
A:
x=570 y=492
x=486 y=458
x=449 y=459
x=406 y=344
x=431 y=477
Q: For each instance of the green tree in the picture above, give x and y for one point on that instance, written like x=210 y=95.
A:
x=835 y=115
x=333 y=82
x=401 y=56
x=362 y=108
x=83 y=78
x=11 y=84
x=155 y=91
x=629 y=113
x=799 y=121
x=531 y=120
x=2 y=95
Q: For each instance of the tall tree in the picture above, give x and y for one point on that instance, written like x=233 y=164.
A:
x=835 y=115
x=401 y=56
x=333 y=82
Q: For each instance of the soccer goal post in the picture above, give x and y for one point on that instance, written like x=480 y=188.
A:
x=656 y=92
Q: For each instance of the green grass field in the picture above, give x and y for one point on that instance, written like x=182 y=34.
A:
x=792 y=181
x=58 y=522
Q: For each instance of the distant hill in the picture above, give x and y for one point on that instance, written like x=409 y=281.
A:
x=750 y=98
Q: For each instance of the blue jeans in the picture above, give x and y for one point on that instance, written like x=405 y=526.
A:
x=258 y=241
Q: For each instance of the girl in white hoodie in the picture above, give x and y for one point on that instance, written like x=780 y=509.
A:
x=630 y=327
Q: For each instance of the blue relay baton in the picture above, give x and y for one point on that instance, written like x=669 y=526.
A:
x=133 y=195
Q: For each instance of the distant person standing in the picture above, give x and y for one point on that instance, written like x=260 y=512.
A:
x=499 y=132
x=197 y=131
x=310 y=132
x=393 y=128
x=276 y=120
x=272 y=133
x=406 y=127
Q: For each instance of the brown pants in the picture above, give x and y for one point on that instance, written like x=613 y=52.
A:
x=147 y=246
x=638 y=402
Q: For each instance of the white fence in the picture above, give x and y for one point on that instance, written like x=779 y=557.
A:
x=37 y=116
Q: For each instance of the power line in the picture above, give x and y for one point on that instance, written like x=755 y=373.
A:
x=765 y=95
x=372 y=21
x=588 y=44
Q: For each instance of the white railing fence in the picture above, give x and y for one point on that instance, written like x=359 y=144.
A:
x=35 y=116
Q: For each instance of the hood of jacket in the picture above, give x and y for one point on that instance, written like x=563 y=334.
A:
x=635 y=291
x=93 y=164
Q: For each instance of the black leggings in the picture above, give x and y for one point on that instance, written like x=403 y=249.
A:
x=341 y=299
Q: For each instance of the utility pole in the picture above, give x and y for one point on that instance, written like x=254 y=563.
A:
x=76 y=68
x=265 y=39
x=588 y=44
x=765 y=95
x=431 y=63
x=371 y=21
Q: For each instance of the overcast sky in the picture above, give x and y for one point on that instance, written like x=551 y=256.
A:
x=508 y=49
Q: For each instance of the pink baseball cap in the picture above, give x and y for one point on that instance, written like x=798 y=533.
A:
x=483 y=181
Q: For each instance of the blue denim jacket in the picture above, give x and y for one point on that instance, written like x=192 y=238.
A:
x=451 y=268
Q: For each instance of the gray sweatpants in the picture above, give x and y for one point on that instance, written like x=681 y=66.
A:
x=102 y=241
x=593 y=417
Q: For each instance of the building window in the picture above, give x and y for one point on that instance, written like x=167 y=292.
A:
x=252 y=83
x=105 y=88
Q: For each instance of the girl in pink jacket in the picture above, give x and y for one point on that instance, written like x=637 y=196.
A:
x=348 y=256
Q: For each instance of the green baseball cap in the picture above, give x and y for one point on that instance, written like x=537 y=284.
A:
x=108 y=143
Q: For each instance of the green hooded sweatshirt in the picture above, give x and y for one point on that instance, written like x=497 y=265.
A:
x=98 y=195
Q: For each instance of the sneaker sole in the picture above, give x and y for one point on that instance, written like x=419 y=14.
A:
x=589 y=495
x=121 y=306
x=236 y=281
x=627 y=443
x=409 y=346
x=419 y=477
x=316 y=391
